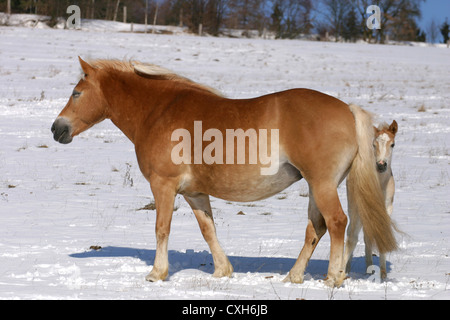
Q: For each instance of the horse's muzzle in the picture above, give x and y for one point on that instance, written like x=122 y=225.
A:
x=62 y=130
x=381 y=166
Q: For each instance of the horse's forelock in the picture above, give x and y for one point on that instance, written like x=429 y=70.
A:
x=383 y=126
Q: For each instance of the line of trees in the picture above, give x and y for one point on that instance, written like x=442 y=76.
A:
x=342 y=20
x=90 y=9
x=347 y=20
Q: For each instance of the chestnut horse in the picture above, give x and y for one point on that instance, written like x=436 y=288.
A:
x=321 y=139
x=383 y=144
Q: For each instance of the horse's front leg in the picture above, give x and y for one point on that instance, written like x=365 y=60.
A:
x=164 y=194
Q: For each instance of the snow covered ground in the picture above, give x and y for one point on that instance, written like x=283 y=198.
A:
x=56 y=201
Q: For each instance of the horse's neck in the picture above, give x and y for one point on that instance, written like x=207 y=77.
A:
x=385 y=176
x=131 y=104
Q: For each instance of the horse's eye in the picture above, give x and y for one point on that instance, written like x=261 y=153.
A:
x=392 y=145
x=76 y=93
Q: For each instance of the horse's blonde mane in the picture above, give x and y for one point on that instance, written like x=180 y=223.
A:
x=383 y=126
x=112 y=65
x=150 y=71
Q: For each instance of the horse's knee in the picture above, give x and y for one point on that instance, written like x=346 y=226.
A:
x=328 y=203
x=336 y=223
x=339 y=221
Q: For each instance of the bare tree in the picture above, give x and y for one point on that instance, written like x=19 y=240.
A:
x=291 y=18
x=398 y=18
x=214 y=15
x=195 y=9
x=336 y=12
x=116 y=10
x=432 y=31
x=351 y=30
x=360 y=7
x=246 y=14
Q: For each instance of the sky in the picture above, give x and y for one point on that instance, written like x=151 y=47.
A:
x=435 y=9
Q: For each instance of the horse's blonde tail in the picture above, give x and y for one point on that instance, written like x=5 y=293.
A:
x=364 y=190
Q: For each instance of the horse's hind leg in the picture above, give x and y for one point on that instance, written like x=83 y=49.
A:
x=390 y=191
x=314 y=231
x=368 y=252
x=353 y=231
x=327 y=201
x=202 y=209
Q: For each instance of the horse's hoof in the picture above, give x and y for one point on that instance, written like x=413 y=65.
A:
x=225 y=272
x=293 y=279
x=153 y=277
x=334 y=282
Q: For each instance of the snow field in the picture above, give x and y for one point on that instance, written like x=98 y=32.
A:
x=57 y=201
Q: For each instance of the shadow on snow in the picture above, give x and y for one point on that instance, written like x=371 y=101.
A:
x=202 y=260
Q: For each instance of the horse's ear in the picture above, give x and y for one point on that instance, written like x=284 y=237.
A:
x=393 y=127
x=87 y=68
x=375 y=130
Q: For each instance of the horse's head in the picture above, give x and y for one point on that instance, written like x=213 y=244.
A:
x=383 y=144
x=86 y=106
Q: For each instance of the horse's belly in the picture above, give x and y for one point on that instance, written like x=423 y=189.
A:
x=247 y=185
